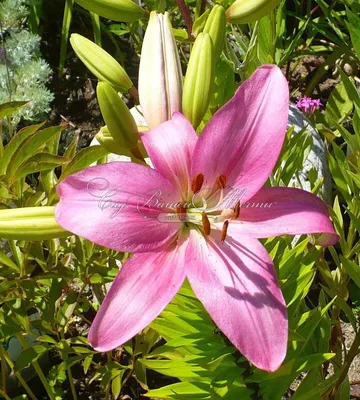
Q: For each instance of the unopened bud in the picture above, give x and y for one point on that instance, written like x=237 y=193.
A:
x=199 y=80
x=245 y=11
x=30 y=223
x=216 y=27
x=117 y=10
x=160 y=76
x=100 y=63
x=120 y=123
x=106 y=140
x=110 y=144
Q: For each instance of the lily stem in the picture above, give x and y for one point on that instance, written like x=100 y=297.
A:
x=353 y=352
x=68 y=370
x=5 y=356
x=185 y=12
x=38 y=370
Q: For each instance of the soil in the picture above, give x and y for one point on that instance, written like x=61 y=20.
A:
x=75 y=105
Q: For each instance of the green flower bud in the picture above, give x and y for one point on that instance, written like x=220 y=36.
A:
x=160 y=76
x=30 y=223
x=110 y=144
x=117 y=10
x=245 y=11
x=199 y=80
x=120 y=123
x=100 y=63
x=216 y=26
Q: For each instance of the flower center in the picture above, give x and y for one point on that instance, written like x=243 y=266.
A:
x=201 y=213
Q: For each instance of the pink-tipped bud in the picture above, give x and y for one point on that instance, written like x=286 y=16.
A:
x=160 y=77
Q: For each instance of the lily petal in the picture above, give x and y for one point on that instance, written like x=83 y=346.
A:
x=237 y=284
x=170 y=147
x=276 y=211
x=243 y=139
x=113 y=204
x=144 y=286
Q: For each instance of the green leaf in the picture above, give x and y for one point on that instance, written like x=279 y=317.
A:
x=182 y=390
x=353 y=27
x=46 y=339
x=351 y=88
x=29 y=147
x=352 y=269
x=339 y=105
x=83 y=159
x=29 y=355
x=87 y=363
x=180 y=34
x=66 y=22
x=15 y=143
x=4 y=259
x=118 y=29
x=39 y=162
x=7 y=109
x=116 y=384
x=71 y=150
x=200 y=22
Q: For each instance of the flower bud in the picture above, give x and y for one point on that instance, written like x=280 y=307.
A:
x=216 y=27
x=199 y=80
x=117 y=10
x=160 y=76
x=30 y=223
x=120 y=123
x=245 y=11
x=110 y=144
x=107 y=141
x=100 y=63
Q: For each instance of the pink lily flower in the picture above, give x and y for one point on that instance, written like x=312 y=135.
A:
x=198 y=215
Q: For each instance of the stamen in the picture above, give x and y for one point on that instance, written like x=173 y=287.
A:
x=221 y=181
x=237 y=210
x=197 y=183
x=224 y=230
x=205 y=224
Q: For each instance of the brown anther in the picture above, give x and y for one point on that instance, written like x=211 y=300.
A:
x=197 y=183
x=224 y=230
x=237 y=210
x=205 y=224
x=221 y=181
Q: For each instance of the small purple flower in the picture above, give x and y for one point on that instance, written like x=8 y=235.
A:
x=308 y=105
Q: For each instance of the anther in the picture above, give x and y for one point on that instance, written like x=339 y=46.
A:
x=205 y=224
x=237 y=210
x=221 y=181
x=197 y=183
x=224 y=230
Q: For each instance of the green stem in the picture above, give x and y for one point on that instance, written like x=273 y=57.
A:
x=353 y=352
x=4 y=395
x=68 y=370
x=38 y=370
x=5 y=355
x=3 y=370
x=95 y=20
x=107 y=393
